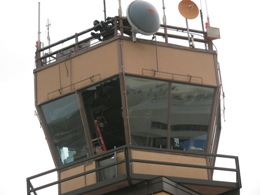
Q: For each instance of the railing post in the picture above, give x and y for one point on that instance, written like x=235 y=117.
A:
x=28 y=186
x=127 y=164
x=76 y=42
x=238 y=173
x=37 y=58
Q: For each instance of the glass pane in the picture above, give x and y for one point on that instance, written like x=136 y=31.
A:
x=104 y=112
x=64 y=123
x=148 y=111
x=215 y=132
x=190 y=113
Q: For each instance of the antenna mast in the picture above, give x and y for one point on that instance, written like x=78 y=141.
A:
x=164 y=16
x=48 y=32
x=105 y=10
x=188 y=10
x=48 y=36
x=39 y=27
x=201 y=17
x=207 y=12
x=120 y=9
x=164 y=22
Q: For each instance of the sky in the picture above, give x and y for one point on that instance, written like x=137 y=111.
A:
x=24 y=150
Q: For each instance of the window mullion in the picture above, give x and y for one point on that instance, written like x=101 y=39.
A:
x=84 y=121
x=169 y=116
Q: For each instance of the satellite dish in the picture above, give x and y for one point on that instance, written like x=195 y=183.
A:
x=143 y=17
x=188 y=9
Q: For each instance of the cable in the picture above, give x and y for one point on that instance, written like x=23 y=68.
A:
x=221 y=85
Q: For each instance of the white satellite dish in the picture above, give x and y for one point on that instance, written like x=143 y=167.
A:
x=143 y=17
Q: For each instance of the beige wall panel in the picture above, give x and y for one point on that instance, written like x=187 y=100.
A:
x=155 y=169
x=102 y=61
x=47 y=81
x=162 y=193
x=121 y=168
x=79 y=182
x=184 y=62
x=138 y=56
x=173 y=63
x=75 y=73
x=90 y=178
x=65 y=72
x=74 y=183
x=171 y=171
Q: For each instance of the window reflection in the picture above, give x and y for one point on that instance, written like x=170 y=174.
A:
x=161 y=114
x=64 y=123
x=148 y=111
x=149 y=104
x=190 y=113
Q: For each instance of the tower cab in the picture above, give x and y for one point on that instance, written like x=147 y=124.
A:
x=125 y=115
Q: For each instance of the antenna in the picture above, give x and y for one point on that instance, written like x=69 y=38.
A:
x=120 y=9
x=143 y=17
x=105 y=10
x=201 y=18
x=48 y=36
x=189 y=10
x=39 y=27
x=207 y=12
x=48 y=32
x=164 y=22
x=164 y=15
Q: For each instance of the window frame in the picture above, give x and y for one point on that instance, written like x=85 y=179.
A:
x=54 y=151
x=170 y=83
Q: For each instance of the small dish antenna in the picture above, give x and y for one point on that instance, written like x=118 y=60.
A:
x=189 y=10
x=143 y=17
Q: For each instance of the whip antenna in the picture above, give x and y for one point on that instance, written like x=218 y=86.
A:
x=39 y=27
x=105 y=10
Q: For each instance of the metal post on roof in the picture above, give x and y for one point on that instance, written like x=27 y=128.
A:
x=39 y=27
x=105 y=10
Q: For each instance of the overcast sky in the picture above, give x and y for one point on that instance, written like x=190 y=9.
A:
x=24 y=151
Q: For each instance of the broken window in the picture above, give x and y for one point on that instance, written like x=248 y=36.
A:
x=104 y=114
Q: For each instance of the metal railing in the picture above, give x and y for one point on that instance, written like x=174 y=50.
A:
x=119 y=27
x=128 y=160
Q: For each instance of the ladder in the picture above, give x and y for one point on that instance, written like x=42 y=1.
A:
x=99 y=137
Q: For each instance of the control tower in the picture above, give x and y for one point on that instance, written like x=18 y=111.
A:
x=129 y=115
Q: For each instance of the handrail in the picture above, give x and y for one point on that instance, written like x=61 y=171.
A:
x=73 y=84
x=172 y=74
x=165 y=31
x=129 y=160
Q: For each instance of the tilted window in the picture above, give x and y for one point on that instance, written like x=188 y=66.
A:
x=168 y=115
x=63 y=120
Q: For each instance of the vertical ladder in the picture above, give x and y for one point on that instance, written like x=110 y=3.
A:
x=100 y=137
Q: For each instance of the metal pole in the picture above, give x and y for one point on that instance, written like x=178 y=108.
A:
x=48 y=32
x=39 y=27
x=207 y=12
x=164 y=16
x=201 y=17
x=48 y=38
x=164 y=22
x=105 y=12
x=188 y=31
x=120 y=9
x=202 y=22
